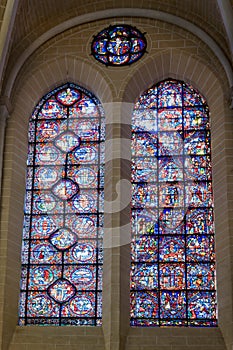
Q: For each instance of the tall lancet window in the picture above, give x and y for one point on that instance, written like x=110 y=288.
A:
x=173 y=262
x=63 y=224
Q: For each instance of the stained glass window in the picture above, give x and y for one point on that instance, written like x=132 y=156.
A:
x=173 y=261
x=62 y=258
x=118 y=45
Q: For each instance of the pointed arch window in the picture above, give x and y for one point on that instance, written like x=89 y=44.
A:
x=172 y=250
x=62 y=258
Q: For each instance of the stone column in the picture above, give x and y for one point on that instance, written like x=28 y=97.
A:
x=117 y=228
x=5 y=108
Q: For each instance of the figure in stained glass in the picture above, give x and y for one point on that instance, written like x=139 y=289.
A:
x=172 y=249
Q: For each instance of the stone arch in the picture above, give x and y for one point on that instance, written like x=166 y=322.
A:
x=176 y=64
x=133 y=12
x=38 y=80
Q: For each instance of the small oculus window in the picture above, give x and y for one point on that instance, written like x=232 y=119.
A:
x=119 y=45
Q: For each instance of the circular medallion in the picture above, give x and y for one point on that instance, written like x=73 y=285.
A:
x=40 y=305
x=46 y=177
x=47 y=154
x=85 y=108
x=81 y=306
x=43 y=253
x=87 y=130
x=41 y=276
x=47 y=129
x=85 y=177
x=61 y=290
x=83 y=276
x=83 y=226
x=83 y=252
x=44 y=225
x=86 y=154
x=44 y=202
x=84 y=203
x=67 y=141
x=65 y=189
x=51 y=110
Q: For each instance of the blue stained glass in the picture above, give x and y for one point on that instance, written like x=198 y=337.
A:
x=144 y=196
x=171 y=195
x=170 y=94
x=148 y=101
x=171 y=221
x=62 y=253
x=195 y=118
x=170 y=169
x=201 y=276
x=42 y=225
x=86 y=107
x=44 y=177
x=40 y=304
x=145 y=121
x=172 y=249
x=145 y=305
x=47 y=130
x=172 y=276
x=170 y=119
x=201 y=305
x=118 y=45
x=145 y=171
x=200 y=248
x=170 y=143
x=144 y=222
x=41 y=276
x=68 y=96
x=63 y=238
x=144 y=276
x=173 y=304
x=51 y=110
x=145 y=249
x=200 y=221
x=197 y=142
x=198 y=168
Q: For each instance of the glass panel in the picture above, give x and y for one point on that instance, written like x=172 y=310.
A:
x=62 y=252
x=172 y=249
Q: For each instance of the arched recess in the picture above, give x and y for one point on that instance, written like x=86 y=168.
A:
x=27 y=93
x=178 y=65
x=109 y=13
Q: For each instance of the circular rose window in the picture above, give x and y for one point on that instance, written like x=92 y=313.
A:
x=118 y=45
